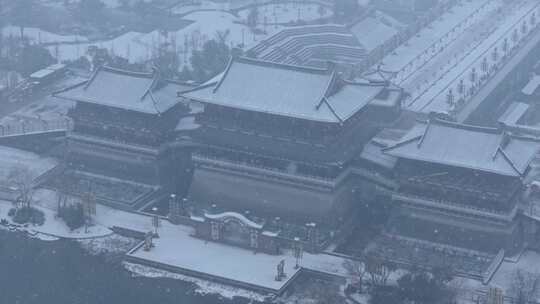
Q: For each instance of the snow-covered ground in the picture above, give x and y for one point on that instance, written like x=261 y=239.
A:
x=45 y=112
x=111 y=244
x=141 y=47
x=529 y=262
x=288 y=12
x=11 y=158
x=203 y=287
x=108 y=217
x=453 y=45
x=443 y=54
x=455 y=21
x=175 y=246
x=45 y=107
x=197 y=5
x=108 y=3
x=435 y=98
x=40 y=36
x=48 y=109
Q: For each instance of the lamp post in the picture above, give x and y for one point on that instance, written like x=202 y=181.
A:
x=298 y=252
x=184 y=204
x=155 y=220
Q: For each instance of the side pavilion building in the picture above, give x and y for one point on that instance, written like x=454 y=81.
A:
x=461 y=186
x=122 y=144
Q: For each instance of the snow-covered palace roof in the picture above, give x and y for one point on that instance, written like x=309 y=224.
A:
x=140 y=92
x=477 y=148
x=285 y=90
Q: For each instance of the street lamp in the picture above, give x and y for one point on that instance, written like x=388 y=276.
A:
x=298 y=252
x=184 y=204
x=155 y=220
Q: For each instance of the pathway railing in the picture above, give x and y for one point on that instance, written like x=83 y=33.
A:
x=15 y=128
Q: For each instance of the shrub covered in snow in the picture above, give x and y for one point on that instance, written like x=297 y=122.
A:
x=73 y=215
x=26 y=215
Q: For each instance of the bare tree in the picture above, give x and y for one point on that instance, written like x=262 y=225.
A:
x=89 y=207
x=357 y=270
x=21 y=179
x=61 y=199
x=323 y=292
x=525 y=286
x=253 y=17
x=378 y=270
x=21 y=14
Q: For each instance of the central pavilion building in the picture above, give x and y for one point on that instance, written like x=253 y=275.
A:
x=278 y=140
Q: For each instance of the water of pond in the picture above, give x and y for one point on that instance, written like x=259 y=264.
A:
x=35 y=271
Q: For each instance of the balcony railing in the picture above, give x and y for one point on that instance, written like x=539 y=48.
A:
x=117 y=144
x=451 y=206
x=15 y=128
x=265 y=171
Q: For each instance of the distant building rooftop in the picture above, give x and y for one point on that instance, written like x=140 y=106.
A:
x=514 y=113
x=532 y=86
x=47 y=71
x=314 y=45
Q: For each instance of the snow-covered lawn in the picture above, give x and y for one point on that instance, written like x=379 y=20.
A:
x=183 y=8
x=288 y=12
x=14 y=158
x=140 y=47
x=40 y=36
x=186 y=8
x=108 y=3
x=114 y=244
x=528 y=262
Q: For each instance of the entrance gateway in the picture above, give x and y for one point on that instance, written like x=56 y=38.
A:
x=236 y=229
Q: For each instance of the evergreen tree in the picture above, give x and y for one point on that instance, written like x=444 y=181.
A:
x=345 y=10
x=22 y=14
x=210 y=61
x=426 y=288
x=253 y=17
x=91 y=10
x=33 y=58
